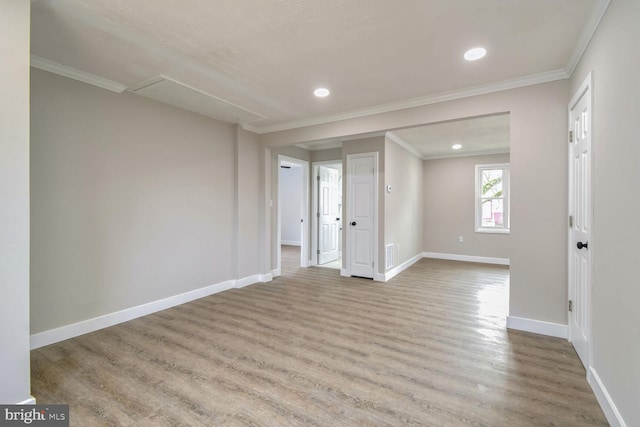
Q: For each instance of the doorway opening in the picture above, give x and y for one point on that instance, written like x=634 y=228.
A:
x=327 y=214
x=293 y=209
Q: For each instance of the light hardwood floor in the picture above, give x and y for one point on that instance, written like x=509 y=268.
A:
x=312 y=348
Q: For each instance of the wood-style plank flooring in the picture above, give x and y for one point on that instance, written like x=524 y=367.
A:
x=312 y=348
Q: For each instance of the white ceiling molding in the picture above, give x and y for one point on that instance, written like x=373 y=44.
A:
x=548 y=76
x=586 y=34
x=468 y=154
x=395 y=138
x=320 y=145
x=72 y=73
x=173 y=92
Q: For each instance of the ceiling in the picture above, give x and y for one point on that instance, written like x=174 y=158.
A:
x=478 y=135
x=258 y=61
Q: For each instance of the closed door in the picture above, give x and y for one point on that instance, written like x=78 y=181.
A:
x=328 y=214
x=580 y=221
x=361 y=206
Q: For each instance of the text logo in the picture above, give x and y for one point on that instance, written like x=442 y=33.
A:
x=34 y=415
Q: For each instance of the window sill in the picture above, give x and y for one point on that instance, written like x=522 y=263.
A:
x=493 y=230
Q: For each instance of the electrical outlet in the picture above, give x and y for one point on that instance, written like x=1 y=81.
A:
x=398 y=247
x=460 y=239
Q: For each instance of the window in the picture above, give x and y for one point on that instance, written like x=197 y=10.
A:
x=492 y=198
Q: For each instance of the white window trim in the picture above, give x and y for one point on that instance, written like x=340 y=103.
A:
x=506 y=196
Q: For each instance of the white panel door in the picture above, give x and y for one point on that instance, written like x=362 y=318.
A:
x=328 y=214
x=361 y=213
x=580 y=220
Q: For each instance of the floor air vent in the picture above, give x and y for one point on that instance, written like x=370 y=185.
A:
x=389 y=256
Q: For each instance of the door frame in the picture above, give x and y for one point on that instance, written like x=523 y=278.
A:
x=586 y=90
x=304 y=246
x=313 y=260
x=346 y=194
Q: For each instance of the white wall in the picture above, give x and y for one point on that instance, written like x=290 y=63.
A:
x=613 y=57
x=291 y=205
x=449 y=209
x=132 y=201
x=14 y=202
x=404 y=219
x=327 y=155
x=250 y=214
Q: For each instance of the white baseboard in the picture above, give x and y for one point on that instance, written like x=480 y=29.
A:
x=604 y=399
x=266 y=277
x=90 y=325
x=290 y=243
x=467 y=258
x=307 y=263
x=402 y=267
x=379 y=277
x=30 y=401
x=277 y=272
x=250 y=280
x=557 y=330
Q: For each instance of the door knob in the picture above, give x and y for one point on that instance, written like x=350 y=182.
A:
x=581 y=245
x=353 y=223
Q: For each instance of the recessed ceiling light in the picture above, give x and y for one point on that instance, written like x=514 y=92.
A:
x=321 y=92
x=475 y=53
x=456 y=146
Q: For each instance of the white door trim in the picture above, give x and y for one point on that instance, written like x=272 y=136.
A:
x=346 y=265
x=585 y=88
x=315 y=167
x=304 y=247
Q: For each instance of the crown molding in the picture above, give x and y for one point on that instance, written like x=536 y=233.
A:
x=532 y=79
x=586 y=34
x=72 y=73
x=469 y=154
x=402 y=143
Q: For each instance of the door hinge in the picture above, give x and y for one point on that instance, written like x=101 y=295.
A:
x=318 y=178
x=570 y=305
x=317 y=214
x=570 y=221
x=570 y=136
x=318 y=252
